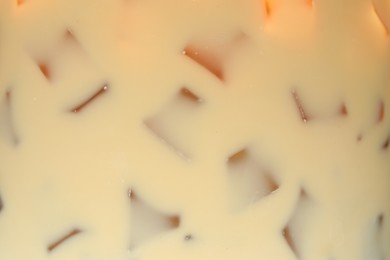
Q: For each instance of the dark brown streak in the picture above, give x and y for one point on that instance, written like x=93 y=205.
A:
x=100 y=92
x=72 y=233
x=189 y=95
x=299 y=105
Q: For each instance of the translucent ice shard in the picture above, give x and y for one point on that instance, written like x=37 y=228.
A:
x=211 y=55
x=147 y=222
x=169 y=123
x=206 y=59
x=249 y=181
x=372 y=240
x=293 y=232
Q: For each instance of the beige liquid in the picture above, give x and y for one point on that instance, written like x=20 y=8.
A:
x=194 y=129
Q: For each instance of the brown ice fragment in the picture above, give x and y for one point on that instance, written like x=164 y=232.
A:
x=171 y=122
x=154 y=126
x=343 y=110
x=381 y=112
x=148 y=222
x=299 y=106
x=206 y=59
x=293 y=228
x=238 y=157
x=290 y=241
x=44 y=68
x=131 y=194
x=211 y=52
x=187 y=94
x=99 y=93
x=69 y=35
x=271 y=183
x=174 y=221
x=385 y=145
x=8 y=97
x=67 y=236
x=303 y=194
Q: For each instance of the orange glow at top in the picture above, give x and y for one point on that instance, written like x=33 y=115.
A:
x=310 y=3
x=267 y=8
x=381 y=19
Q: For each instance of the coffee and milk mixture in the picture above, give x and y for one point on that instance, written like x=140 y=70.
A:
x=194 y=129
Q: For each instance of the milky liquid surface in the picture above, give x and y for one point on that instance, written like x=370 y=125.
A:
x=194 y=129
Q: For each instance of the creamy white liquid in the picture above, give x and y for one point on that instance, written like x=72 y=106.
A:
x=275 y=147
